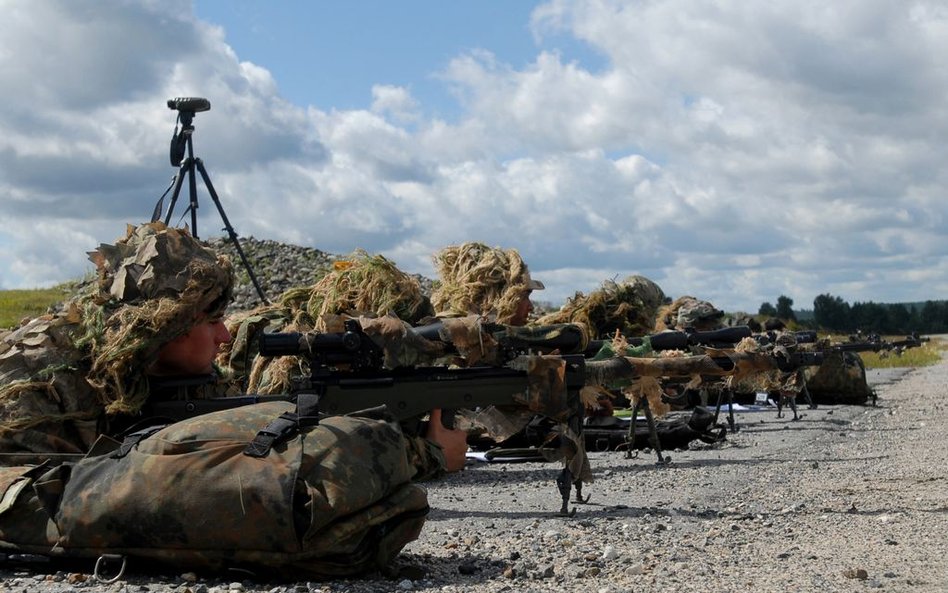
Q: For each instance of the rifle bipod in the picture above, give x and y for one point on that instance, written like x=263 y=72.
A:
x=652 y=433
x=565 y=483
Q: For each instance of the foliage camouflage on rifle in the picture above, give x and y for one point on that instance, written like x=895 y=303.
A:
x=629 y=307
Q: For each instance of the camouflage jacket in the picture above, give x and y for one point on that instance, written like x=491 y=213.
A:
x=46 y=404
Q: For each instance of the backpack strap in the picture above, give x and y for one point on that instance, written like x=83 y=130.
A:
x=133 y=438
x=285 y=426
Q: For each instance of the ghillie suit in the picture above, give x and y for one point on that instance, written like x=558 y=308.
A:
x=262 y=487
x=65 y=378
x=737 y=319
x=629 y=307
x=841 y=379
x=358 y=285
x=480 y=280
x=687 y=312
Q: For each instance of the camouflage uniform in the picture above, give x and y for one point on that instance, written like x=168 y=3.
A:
x=68 y=377
x=327 y=498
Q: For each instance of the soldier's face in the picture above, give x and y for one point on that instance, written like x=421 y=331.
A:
x=194 y=352
x=522 y=312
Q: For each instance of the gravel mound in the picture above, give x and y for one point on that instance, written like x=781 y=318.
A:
x=278 y=266
x=848 y=498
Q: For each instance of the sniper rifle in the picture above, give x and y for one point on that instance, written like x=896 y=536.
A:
x=347 y=375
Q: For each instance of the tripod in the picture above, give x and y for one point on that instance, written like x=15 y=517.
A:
x=181 y=142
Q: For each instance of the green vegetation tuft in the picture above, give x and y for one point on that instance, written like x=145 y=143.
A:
x=16 y=305
x=927 y=354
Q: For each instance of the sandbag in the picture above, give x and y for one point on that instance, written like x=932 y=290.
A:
x=258 y=487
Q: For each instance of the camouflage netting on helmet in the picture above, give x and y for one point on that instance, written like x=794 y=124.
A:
x=153 y=285
x=688 y=312
x=478 y=279
x=360 y=285
x=629 y=306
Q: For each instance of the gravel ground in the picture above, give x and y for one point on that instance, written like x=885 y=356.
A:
x=848 y=498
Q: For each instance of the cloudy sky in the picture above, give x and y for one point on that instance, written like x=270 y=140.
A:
x=735 y=151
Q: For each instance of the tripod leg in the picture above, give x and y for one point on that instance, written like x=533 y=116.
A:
x=230 y=230
x=187 y=166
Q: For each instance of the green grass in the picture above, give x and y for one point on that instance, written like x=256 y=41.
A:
x=15 y=305
x=927 y=354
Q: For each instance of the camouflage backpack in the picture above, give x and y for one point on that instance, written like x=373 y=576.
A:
x=261 y=487
x=841 y=379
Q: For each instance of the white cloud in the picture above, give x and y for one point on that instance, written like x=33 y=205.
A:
x=735 y=151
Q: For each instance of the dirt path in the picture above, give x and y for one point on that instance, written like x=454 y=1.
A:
x=848 y=498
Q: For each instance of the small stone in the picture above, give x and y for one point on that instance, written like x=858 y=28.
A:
x=609 y=553
x=189 y=577
x=76 y=577
x=635 y=569
x=405 y=585
x=856 y=573
x=510 y=572
x=592 y=571
x=238 y=587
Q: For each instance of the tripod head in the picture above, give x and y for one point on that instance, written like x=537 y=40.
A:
x=186 y=108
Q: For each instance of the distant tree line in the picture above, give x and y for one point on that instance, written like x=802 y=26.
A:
x=833 y=313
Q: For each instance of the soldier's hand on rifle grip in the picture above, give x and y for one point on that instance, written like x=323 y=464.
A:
x=453 y=442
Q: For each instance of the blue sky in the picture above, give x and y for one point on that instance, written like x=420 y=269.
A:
x=330 y=54
x=728 y=150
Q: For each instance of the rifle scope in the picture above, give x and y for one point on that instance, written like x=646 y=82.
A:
x=309 y=344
